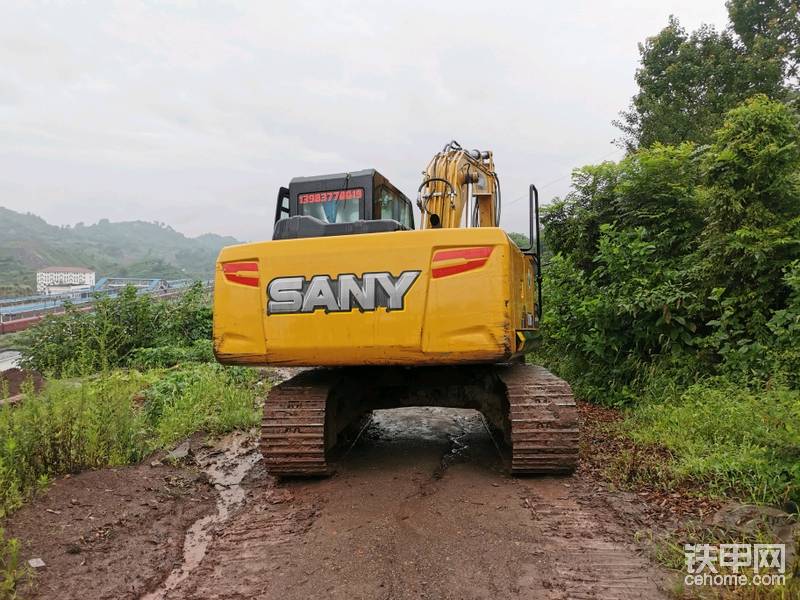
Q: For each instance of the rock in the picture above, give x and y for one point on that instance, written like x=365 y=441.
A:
x=36 y=563
x=748 y=518
x=180 y=452
x=155 y=463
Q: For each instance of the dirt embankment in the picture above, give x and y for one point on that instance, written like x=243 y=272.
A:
x=111 y=534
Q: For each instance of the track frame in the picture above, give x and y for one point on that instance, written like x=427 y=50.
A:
x=310 y=416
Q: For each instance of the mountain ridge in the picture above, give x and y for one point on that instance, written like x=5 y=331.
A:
x=124 y=248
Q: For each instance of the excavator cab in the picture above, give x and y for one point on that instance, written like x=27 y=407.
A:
x=341 y=204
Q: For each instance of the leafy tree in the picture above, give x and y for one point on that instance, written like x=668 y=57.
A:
x=769 y=27
x=653 y=189
x=680 y=258
x=519 y=239
x=754 y=167
x=688 y=81
x=753 y=224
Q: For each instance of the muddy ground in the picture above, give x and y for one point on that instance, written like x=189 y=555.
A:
x=420 y=507
x=13 y=380
x=109 y=534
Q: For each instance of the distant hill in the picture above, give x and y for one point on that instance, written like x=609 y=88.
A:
x=126 y=249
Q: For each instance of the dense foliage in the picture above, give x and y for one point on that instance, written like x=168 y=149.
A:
x=683 y=256
x=675 y=287
x=127 y=330
x=688 y=81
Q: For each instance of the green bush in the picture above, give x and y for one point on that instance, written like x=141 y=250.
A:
x=674 y=290
x=784 y=353
x=680 y=259
x=115 y=419
x=200 y=351
x=203 y=397
x=113 y=334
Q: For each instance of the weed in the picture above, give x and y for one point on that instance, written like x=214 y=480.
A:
x=98 y=421
x=669 y=550
x=12 y=573
x=202 y=397
x=113 y=334
x=732 y=440
x=199 y=351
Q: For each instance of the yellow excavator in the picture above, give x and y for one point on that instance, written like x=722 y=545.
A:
x=392 y=316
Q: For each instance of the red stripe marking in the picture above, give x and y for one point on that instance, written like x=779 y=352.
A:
x=239 y=266
x=481 y=252
x=232 y=270
x=476 y=258
x=453 y=269
x=251 y=281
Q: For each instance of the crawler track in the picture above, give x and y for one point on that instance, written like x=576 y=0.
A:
x=293 y=431
x=304 y=417
x=544 y=421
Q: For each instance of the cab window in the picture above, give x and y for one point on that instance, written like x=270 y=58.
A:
x=338 y=206
x=406 y=214
x=387 y=204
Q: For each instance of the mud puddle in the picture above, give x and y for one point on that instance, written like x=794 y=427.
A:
x=226 y=464
x=459 y=447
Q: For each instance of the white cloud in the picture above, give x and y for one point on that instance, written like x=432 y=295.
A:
x=194 y=113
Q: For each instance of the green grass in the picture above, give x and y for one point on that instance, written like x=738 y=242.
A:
x=12 y=572
x=68 y=427
x=715 y=439
x=729 y=440
x=110 y=420
x=669 y=551
x=115 y=419
x=201 y=398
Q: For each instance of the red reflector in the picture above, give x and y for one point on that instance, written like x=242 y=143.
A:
x=473 y=258
x=482 y=252
x=245 y=273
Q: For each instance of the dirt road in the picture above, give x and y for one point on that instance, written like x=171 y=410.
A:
x=421 y=507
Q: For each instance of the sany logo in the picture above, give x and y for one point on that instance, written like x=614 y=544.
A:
x=344 y=293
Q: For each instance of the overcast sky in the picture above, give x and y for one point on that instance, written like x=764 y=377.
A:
x=194 y=113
